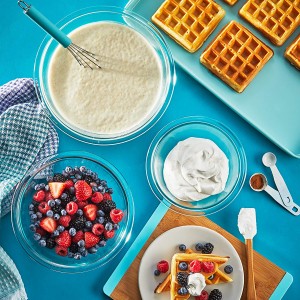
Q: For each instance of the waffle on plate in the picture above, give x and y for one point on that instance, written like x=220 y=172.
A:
x=236 y=56
x=188 y=22
x=292 y=53
x=276 y=19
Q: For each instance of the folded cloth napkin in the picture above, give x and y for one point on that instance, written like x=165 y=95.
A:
x=26 y=136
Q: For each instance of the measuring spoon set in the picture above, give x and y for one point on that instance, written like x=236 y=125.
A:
x=282 y=195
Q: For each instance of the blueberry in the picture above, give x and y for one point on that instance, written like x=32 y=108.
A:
x=31 y=206
x=63 y=212
x=100 y=213
x=199 y=247
x=84 y=253
x=37 y=224
x=56 y=216
x=228 y=269
x=94 y=176
x=100 y=220
x=70 y=255
x=77 y=256
x=88 y=172
x=110 y=191
x=63 y=196
x=49 y=178
x=72 y=231
x=37 y=187
x=97 y=246
x=88 y=224
x=81 y=243
x=101 y=189
x=82 y=169
x=102 y=243
x=68 y=169
x=78 y=176
x=47 y=188
x=94 y=189
x=182 y=247
x=31 y=212
x=51 y=203
x=65 y=174
x=182 y=291
x=103 y=183
x=37 y=236
x=57 y=201
x=92 y=250
x=116 y=226
x=108 y=226
x=81 y=249
x=76 y=169
x=33 y=217
x=97 y=181
x=156 y=272
x=183 y=266
x=42 y=186
x=49 y=213
x=39 y=215
x=32 y=227
x=74 y=181
x=72 y=190
x=42 y=243
x=60 y=228
x=55 y=233
x=79 y=212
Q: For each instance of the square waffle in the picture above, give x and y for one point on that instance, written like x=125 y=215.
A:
x=236 y=56
x=188 y=22
x=292 y=53
x=276 y=19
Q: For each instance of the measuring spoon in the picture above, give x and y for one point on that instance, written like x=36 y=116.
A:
x=269 y=160
x=293 y=208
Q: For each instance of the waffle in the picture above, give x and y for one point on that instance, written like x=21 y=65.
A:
x=292 y=53
x=188 y=22
x=276 y=19
x=236 y=56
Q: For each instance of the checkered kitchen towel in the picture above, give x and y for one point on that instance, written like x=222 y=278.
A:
x=26 y=136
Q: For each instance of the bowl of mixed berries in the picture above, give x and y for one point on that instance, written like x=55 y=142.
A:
x=72 y=212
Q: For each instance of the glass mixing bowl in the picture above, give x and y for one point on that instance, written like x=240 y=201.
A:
x=23 y=197
x=119 y=16
x=199 y=127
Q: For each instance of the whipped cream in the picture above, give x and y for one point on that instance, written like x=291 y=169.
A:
x=247 y=222
x=195 y=169
x=196 y=284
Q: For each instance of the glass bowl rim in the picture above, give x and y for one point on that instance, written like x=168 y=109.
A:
x=163 y=133
x=168 y=61
x=50 y=160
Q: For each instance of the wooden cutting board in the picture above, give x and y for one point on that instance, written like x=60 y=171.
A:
x=267 y=274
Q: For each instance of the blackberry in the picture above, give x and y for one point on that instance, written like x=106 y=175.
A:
x=107 y=219
x=65 y=201
x=56 y=209
x=59 y=177
x=215 y=295
x=50 y=243
x=182 y=278
x=89 y=179
x=73 y=248
x=208 y=248
x=107 y=205
x=102 y=237
x=78 y=223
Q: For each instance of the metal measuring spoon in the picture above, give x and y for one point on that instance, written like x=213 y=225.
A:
x=293 y=208
x=269 y=160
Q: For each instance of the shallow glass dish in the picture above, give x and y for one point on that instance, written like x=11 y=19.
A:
x=119 y=16
x=23 y=197
x=200 y=127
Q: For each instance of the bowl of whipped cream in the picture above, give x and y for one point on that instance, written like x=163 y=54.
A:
x=124 y=98
x=196 y=166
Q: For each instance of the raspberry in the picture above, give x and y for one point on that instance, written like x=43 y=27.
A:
x=62 y=251
x=107 y=196
x=116 y=215
x=109 y=234
x=71 y=208
x=82 y=204
x=41 y=231
x=39 y=196
x=195 y=266
x=98 y=229
x=64 y=221
x=97 y=197
x=69 y=183
x=78 y=236
x=43 y=207
x=163 y=266
x=207 y=266
x=203 y=296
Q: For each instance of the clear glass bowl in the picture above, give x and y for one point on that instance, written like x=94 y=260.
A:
x=200 y=127
x=23 y=197
x=101 y=14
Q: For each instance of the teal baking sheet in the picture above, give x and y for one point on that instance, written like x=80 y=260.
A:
x=271 y=103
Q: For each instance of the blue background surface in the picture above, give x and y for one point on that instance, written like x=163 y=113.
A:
x=278 y=231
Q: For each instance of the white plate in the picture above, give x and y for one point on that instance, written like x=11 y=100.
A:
x=166 y=245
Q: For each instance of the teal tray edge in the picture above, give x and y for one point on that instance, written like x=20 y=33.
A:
x=142 y=238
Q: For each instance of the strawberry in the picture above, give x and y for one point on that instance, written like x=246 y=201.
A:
x=83 y=190
x=90 y=239
x=195 y=266
x=41 y=231
x=64 y=220
x=78 y=236
x=56 y=189
x=71 y=208
x=107 y=196
x=97 y=197
x=39 y=196
x=109 y=234
x=207 y=266
x=68 y=184
x=116 y=215
x=48 y=224
x=90 y=211
x=43 y=207
x=98 y=229
x=64 y=239
x=48 y=196
x=163 y=266
x=82 y=204
x=203 y=296
x=62 y=251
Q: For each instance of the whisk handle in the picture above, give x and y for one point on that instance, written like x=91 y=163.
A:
x=48 y=26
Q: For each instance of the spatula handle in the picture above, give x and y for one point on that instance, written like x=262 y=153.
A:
x=251 y=292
